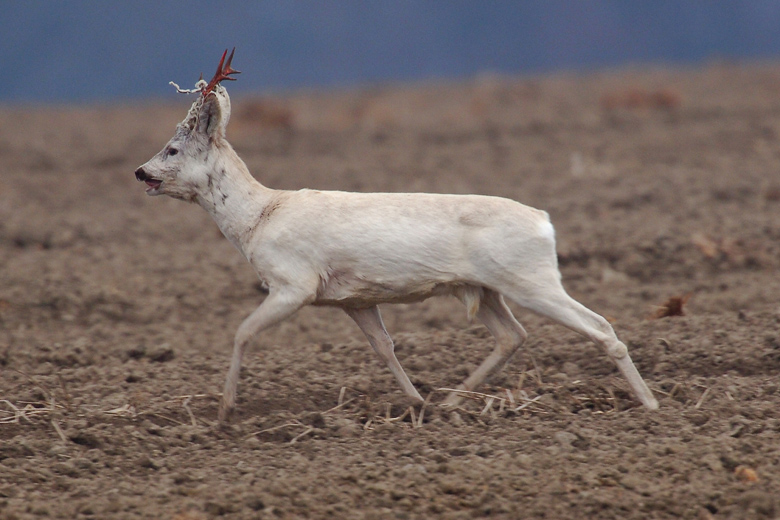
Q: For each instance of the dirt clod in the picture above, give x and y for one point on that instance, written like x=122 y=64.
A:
x=161 y=353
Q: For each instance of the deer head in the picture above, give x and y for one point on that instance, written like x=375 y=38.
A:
x=183 y=168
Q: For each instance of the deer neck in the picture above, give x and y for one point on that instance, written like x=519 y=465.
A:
x=234 y=198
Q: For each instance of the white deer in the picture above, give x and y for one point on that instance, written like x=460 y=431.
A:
x=358 y=250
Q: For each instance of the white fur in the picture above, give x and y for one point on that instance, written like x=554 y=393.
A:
x=357 y=250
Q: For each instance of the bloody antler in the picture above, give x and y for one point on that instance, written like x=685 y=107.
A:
x=223 y=72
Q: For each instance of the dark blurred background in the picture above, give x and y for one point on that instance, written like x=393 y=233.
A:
x=106 y=51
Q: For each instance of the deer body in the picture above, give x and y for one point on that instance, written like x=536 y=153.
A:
x=361 y=250
x=357 y=250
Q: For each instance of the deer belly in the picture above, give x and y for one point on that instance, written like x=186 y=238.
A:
x=348 y=290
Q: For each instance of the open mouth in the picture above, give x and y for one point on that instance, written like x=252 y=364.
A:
x=153 y=184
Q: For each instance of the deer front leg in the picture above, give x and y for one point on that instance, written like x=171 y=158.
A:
x=277 y=307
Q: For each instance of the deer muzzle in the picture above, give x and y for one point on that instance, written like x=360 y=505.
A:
x=141 y=175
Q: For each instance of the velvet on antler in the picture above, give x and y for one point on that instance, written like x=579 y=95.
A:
x=224 y=70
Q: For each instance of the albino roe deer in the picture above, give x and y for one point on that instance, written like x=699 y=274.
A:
x=357 y=250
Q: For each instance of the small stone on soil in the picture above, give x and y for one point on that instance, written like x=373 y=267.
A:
x=161 y=353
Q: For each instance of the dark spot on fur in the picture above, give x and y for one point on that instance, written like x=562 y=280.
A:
x=266 y=213
x=269 y=209
x=470 y=220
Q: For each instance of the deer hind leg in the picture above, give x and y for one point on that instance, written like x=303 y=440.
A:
x=506 y=330
x=370 y=322
x=548 y=298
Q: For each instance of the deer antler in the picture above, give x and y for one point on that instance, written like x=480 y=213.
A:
x=223 y=72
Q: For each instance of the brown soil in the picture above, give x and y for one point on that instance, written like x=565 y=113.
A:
x=117 y=312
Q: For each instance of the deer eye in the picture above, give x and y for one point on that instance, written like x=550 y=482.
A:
x=172 y=151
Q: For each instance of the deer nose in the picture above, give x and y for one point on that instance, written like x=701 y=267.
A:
x=140 y=174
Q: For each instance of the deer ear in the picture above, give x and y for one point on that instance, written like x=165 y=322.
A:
x=214 y=115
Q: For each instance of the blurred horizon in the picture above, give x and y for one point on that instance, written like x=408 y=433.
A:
x=83 y=51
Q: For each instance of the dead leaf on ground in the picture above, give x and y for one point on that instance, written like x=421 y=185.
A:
x=672 y=307
x=708 y=247
x=746 y=474
x=734 y=251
